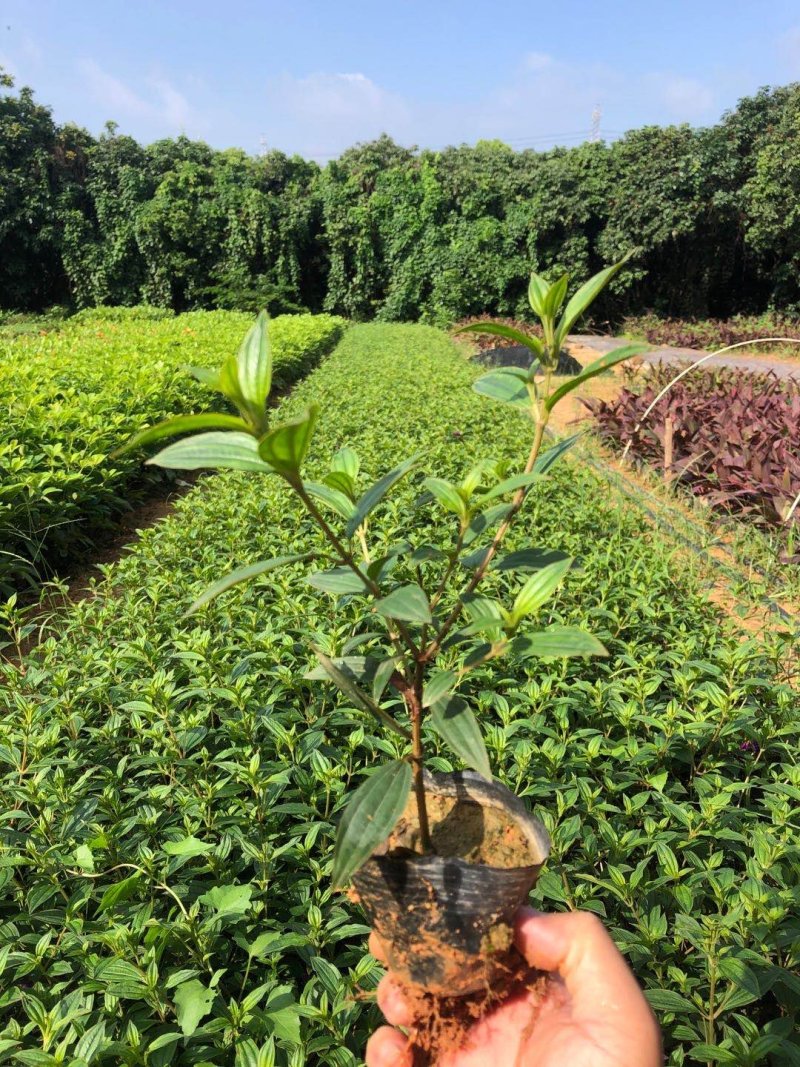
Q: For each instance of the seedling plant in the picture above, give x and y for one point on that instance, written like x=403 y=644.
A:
x=431 y=625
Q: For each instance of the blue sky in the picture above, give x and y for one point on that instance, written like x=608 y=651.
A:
x=315 y=77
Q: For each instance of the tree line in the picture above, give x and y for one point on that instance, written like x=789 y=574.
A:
x=401 y=234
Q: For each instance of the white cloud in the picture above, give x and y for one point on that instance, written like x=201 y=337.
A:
x=161 y=105
x=112 y=92
x=538 y=61
x=687 y=99
x=541 y=101
x=329 y=111
x=173 y=105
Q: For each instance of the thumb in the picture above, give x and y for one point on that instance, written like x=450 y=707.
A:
x=576 y=946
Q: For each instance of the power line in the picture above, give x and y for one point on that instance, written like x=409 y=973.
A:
x=554 y=139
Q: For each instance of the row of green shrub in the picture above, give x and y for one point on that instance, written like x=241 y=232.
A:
x=715 y=333
x=172 y=786
x=389 y=231
x=69 y=397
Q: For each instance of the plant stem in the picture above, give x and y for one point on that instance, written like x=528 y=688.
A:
x=451 y=563
x=411 y=693
x=414 y=700
x=519 y=499
x=347 y=558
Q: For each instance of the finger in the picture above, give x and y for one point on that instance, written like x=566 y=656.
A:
x=576 y=946
x=573 y=944
x=388 y=1048
x=376 y=948
x=392 y=1002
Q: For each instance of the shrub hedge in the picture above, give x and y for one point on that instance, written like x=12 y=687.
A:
x=71 y=396
x=400 y=234
x=714 y=333
x=171 y=786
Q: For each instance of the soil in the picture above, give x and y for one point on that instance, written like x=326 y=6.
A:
x=443 y=1024
x=463 y=829
x=447 y=933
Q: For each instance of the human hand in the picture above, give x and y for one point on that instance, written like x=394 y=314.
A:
x=595 y=1015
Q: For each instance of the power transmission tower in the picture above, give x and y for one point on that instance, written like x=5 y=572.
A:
x=263 y=142
x=597 y=115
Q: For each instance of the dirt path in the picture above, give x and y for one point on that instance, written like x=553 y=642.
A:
x=782 y=368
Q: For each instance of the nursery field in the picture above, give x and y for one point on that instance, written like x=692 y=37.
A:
x=72 y=395
x=170 y=785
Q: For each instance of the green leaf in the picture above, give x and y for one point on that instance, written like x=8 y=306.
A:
x=340 y=483
x=703 y=1053
x=538 y=288
x=554 y=297
x=162 y=1041
x=119 y=892
x=380 y=569
x=230 y=388
x=358 y=696
x=282 y=1011
x=285 y=447
x=585 y=296
x=373 y=496
x=254 y=360
x=91 y=1042
x=345 y=461
x=485 y=615
x=181 y=424
x=539 y=588
x=338 y=580
x=557 y=641
x=528 y=559
x=122 y=979
x=670 y=1000
x=370 y=817
x=610 y=359
x=480 y=523
x=510 y=485
x=205 y=375
x=438 y=686
x=36 y=1058
x=228 y=900
x=546 y=460
x=455 y=723
x=334 y=498
x=261 y=946
x=424 y=553
x=220 y=451
x=84 y=858
x=447 y=495
x=504 y=385
x=497 y=329
x=242 y=574
x=383 y=673
x=408 y=603
x=188 y=847
x=192 y=1003
x=476 y=475
x=360 y=668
